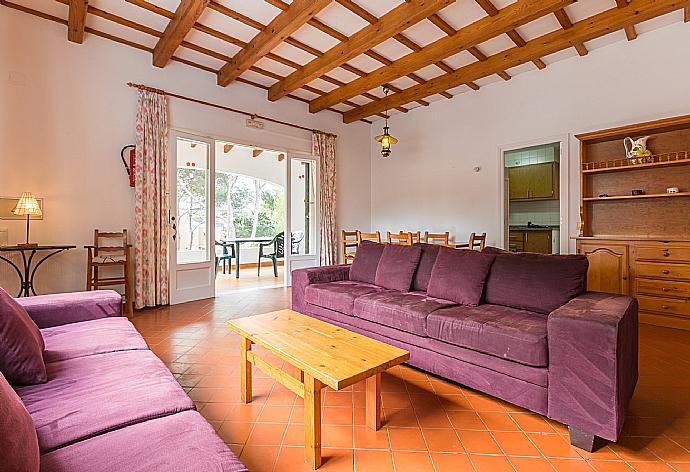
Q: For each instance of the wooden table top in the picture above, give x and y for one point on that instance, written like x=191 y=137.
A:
x=334 y=355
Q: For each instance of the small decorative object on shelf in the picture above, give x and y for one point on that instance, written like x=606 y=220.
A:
x=672 y=190
x=603 y=195
x=636 y=150
x=637 y=191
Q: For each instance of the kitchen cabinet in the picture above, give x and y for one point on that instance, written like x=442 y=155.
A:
x=530 y=241
x=533 y=182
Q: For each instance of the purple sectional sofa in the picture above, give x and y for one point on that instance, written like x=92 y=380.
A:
x=109 y=404
x=524 y=330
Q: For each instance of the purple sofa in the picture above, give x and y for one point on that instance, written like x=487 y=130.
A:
x=109 y=404
x=536 y=338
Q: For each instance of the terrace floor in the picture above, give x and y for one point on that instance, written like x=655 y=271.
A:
x=430 y=424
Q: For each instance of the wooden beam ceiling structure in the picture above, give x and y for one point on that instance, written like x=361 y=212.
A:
x=630 y=32
x=390 y=24
x=598 y=25
x=277 y=31
x=186 y=15
x=76 y=20
x=484 y=29
x=564 y=20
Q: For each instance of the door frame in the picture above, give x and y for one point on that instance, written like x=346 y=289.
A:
x=207 y=290
x=289 y=257
x=563 y=187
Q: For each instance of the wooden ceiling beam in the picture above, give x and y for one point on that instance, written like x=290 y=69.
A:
x=686 y=14
x=630 y=31
x=564 y=20
x=76 y=20
x=279 y=29
x=396 y=20
x=598 y=25
x=186 y=14
x=515 y=14
x=491 y=10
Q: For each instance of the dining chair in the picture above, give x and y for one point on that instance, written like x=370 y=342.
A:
x=441 y=239
x=477 y=241
x=278 y=244
x=110 y=250
x=416 y=235
x=226 y=256
x=349 y=240
x=375 y=237
x=404 y=239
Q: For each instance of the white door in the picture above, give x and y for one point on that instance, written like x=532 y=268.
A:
x=192 y=254
x=302 y=221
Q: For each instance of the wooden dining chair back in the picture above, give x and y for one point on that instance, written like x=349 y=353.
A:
x=110 y=254
x=441 y=239
x=477 y=241
x=404 y=239
x=347 y=242
x=375 y=237
x=416 y=235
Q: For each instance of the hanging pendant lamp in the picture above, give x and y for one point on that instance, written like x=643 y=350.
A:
x=386 y=139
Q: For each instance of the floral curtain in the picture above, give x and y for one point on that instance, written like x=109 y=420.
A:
x=323 y=145
x=151 y=201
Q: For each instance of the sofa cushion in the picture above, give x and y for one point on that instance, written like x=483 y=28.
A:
x=366 y=261
x=63 y=308
x=91 y=395
x=90 y=337
x=183 y=442
x=21 y=344
x=18 y=441
x=426 y=263
x=339 y=296
x=397 y=266
x=516 y=335
x=459 y=275
x=404 y=311
x=536 y=282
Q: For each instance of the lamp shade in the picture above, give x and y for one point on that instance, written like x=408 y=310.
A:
x=27 y=205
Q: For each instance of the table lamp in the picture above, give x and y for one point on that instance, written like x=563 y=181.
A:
x=27 y=205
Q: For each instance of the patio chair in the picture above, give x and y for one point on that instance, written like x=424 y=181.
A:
x=277 y=243
x=296 y=240
x=226 y=256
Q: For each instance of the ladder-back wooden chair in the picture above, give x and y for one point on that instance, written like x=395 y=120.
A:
x=348 y=241
x=477 y=241
x=416 y=236
x=375 y=237
x=110 y=250
x=404 y=239
x=441 y=239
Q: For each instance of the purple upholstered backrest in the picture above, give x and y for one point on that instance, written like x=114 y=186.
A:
x=536 y=282
x=396 y=267
x=426 y=263
x=366 y=261
x=18 y=440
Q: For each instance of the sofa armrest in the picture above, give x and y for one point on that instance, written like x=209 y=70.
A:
x=64 y=308
x=314 y=275
x=593 y=345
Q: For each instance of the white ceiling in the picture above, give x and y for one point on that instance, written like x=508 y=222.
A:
x=458 y=15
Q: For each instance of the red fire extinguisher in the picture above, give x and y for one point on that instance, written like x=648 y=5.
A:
x=132 y=161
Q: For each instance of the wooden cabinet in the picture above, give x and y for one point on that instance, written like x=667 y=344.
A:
x=533 y=182
x=608 y=266
x=530 y=241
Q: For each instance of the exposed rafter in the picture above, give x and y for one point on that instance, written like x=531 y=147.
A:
x=598 y=25
x=396 y=20
x=76 y=20
x=188 y=11
x=686 y=14
x=516 y=14
x=630 y=32
x=564 y=20
x=280 y=28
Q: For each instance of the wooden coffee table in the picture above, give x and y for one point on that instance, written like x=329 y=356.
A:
x=326 y=355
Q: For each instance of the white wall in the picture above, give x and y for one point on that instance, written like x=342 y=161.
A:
x=428 y=183
x=65 y=113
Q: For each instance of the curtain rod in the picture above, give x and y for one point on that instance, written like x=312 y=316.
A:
x=223 y=107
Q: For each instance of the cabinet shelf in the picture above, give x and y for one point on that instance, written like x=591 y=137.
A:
x=646 y=165
x=634 y=197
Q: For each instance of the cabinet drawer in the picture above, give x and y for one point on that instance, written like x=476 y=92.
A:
x=671 y=306
x=665 y=271
x=663 y=253
x=666 y=288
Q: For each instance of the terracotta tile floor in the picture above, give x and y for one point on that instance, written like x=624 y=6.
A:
x=430 y=424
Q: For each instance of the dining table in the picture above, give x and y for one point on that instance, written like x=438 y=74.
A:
x=237 y=242
x=26 y=270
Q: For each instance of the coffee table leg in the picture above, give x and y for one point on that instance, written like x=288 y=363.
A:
x=312 y=421
x=373 y=396
x=245 y=371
